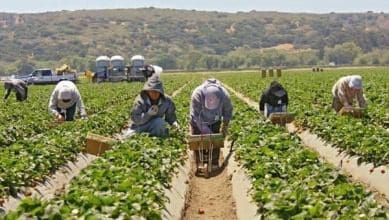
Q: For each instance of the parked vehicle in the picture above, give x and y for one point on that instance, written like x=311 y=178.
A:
x=117 y=71
x=102 y=69
x=135 y=72
x=46 y=76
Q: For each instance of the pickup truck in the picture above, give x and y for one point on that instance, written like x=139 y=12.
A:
x=46 y=76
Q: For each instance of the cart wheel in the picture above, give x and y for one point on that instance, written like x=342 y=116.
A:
x=206 y=170
x=209 y=169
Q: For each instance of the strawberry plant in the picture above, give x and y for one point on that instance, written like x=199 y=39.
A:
x=310 y=97
x=127 y=182
x=289 y=181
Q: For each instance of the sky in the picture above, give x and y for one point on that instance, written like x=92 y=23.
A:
x=311 y=6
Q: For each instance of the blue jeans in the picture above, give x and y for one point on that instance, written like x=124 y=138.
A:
x=156 y=127
x=69 y=113
x=272 y=109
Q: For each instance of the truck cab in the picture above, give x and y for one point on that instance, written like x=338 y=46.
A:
x=47 y=76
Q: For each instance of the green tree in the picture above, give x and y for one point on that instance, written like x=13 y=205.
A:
x=342 y=53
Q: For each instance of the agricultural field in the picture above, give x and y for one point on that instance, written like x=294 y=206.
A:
x=288 y=180
x=311 y=99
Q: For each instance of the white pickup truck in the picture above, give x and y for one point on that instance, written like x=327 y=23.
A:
x=46 y=76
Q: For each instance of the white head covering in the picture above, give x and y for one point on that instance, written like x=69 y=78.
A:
x=157 y=69
x=212 y=99
x=355 y=82
x=65 y=93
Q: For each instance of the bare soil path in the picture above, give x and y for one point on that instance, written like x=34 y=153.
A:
x=210 y=198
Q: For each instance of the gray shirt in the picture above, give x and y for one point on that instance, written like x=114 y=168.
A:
x=200 y=114
x=55 y=103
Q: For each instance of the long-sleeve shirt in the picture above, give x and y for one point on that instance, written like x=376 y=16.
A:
x=55 y=103
x=273 y=100
x=142 y=104
x=200 y=114
x=346 y=95
x=19 y=86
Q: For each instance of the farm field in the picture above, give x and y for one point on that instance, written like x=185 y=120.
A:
x=311 y=99
x=288 y=180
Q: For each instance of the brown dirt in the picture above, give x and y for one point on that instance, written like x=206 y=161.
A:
x=210 y=198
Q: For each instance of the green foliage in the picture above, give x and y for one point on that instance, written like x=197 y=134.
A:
x=127 y=181
x=289 y=181
x=342 y=54
x=172 y=38
x=310 y=97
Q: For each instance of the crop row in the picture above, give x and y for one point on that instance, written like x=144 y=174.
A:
x=126 y=182
x=310 y=98
x=26 y=119
x=26 y=162
x=289 y=181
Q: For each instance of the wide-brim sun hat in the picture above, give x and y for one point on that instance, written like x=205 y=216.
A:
x=65 y=93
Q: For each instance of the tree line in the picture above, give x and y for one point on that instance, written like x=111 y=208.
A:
x=189 y=40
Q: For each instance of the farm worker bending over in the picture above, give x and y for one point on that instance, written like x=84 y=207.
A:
x=345 y=90
x=64 y=100
x=152 y=109
x=17 y=85
x=274 y=99
x=210 y=106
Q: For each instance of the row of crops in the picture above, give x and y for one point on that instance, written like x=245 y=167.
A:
x=31 y=158
x=310 y=97
x=128 y=181
x=32 y=145
x=125 y=182
x=289 y=181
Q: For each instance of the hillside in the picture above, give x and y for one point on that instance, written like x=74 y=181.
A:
x=192 y=39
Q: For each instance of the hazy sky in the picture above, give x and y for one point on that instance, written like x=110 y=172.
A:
x=316 y=6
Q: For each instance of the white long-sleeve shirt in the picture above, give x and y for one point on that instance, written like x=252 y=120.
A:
x=56 y=103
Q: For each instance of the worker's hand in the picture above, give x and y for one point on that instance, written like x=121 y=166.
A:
x=60 y=118
x=84 y=117
x=175 y=125
x=153 y=110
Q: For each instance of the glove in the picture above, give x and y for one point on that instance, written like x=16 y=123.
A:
x=84 y=117
x=176 y=125
x=153 y=110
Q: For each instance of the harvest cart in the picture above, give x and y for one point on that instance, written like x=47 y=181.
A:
x=281 y=118
x=351 y=111
x=203 y=145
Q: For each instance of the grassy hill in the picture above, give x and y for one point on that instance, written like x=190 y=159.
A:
x=191 y=39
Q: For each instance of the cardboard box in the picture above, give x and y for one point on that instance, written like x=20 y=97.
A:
x=281 y=118
x=97 y=144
